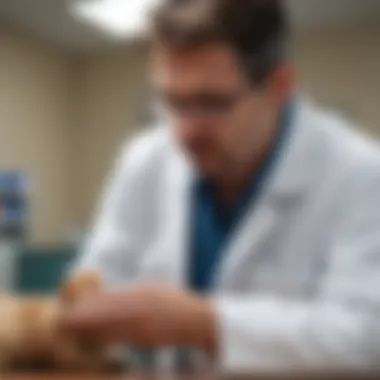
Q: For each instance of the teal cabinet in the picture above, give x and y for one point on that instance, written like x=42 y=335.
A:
x=41 y=270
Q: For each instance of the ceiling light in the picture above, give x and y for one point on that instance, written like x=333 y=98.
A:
x=119 y=18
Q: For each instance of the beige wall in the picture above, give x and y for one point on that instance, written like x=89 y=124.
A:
x=64 y=119
x=341 y=68
x=110 y=92
x=34 y=129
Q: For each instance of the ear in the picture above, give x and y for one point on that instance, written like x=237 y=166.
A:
x=82 y=285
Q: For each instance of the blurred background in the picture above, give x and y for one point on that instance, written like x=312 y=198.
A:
x=73 y=88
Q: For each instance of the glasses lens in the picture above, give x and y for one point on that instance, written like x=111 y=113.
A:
x=202 y=104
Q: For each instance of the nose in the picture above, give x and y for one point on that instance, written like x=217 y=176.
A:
x=191 y=127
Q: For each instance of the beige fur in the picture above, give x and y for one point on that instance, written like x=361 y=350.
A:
x=30 y=335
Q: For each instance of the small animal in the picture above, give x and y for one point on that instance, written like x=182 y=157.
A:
x=31 y=338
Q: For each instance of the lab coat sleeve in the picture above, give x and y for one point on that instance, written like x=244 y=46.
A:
x=340 y=329
x=124 y=217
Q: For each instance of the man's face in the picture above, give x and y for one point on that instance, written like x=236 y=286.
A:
x=215 y=114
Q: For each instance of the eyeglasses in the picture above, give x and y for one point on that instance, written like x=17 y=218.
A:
x=202 y=105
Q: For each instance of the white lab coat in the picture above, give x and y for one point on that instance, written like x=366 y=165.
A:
x=299 y=285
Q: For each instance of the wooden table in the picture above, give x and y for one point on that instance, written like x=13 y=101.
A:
x=62 y=376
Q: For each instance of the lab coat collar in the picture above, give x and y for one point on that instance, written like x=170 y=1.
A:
x=292 y=172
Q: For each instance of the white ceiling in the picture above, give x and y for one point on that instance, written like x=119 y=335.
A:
x=50 y=18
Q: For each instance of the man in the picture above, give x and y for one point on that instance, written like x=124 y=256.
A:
x=247 y=227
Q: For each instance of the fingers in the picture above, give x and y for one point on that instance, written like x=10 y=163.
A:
x=92 y=326
x=81 y=286
x=107 y=317
x=75 y=312
x=122 y=317
x=92 y=313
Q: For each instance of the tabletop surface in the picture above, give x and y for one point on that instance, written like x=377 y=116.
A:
x=66 y=376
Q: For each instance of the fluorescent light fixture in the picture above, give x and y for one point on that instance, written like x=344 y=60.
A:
x=119 y=18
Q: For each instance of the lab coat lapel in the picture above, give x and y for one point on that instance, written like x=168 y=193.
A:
x=286 y=183
x=253 y=230
x=176 y=220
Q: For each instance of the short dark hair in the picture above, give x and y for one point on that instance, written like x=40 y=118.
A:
x=258 y=30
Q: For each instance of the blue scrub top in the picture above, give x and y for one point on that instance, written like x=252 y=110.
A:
x=212 y=226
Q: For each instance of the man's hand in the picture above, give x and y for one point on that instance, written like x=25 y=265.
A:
x=146 y=316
